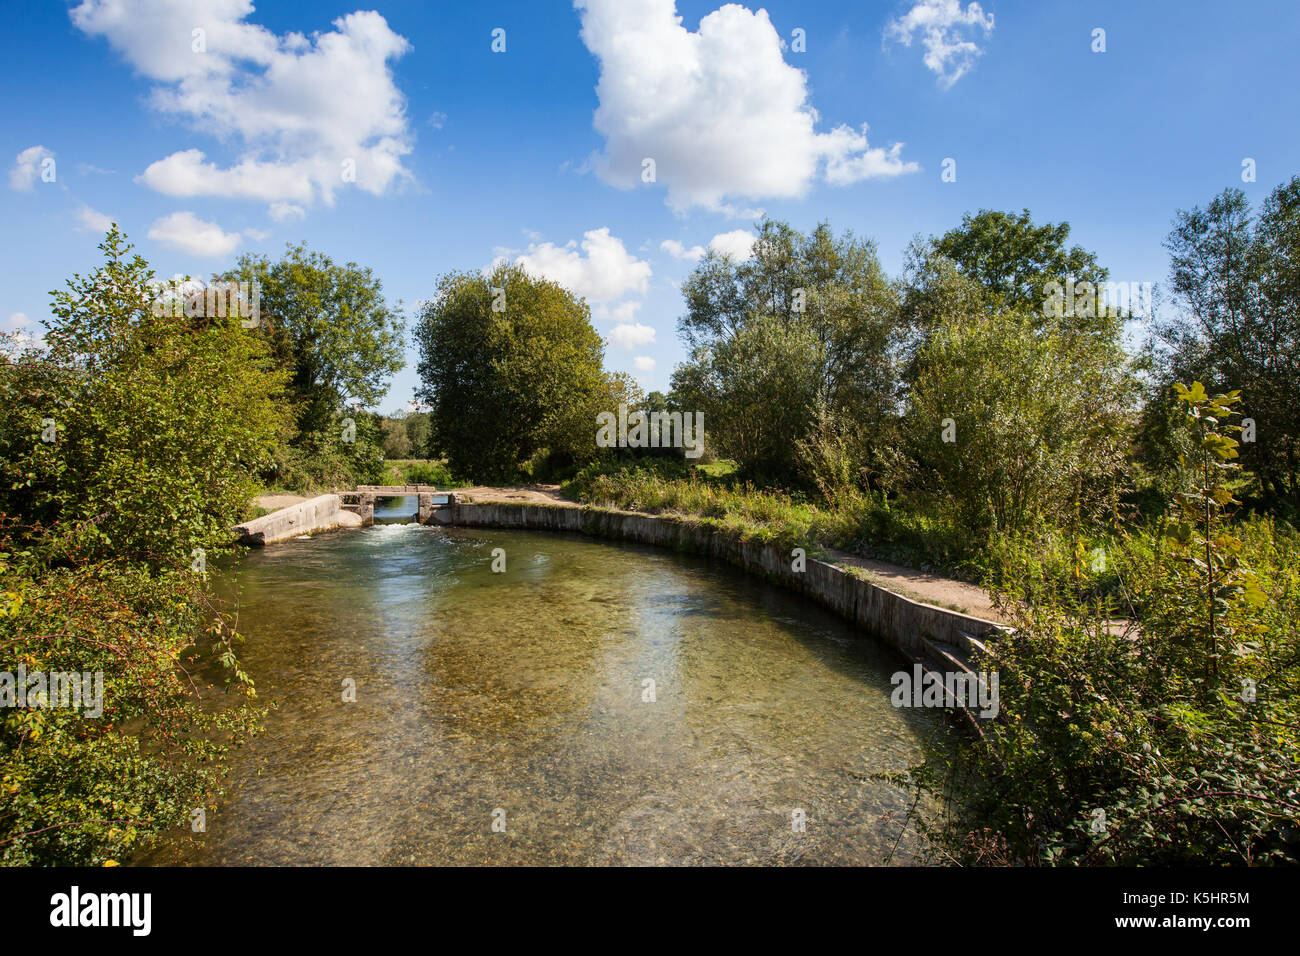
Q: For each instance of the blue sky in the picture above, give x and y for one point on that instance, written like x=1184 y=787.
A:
x=463 y=155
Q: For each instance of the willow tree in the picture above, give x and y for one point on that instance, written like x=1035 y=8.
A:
x=822 y=308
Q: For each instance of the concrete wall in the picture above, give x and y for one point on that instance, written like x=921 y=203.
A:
x=919 y=631
x=315 y=514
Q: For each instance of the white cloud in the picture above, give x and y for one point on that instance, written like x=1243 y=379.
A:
x=944 y=29
x=644 y=363
x=600 y=269
x=739 y=243
x=623 y=312
x=286 y=212
x=92 y=220
x=719 y=110
x=185 y=231
x=631 y=335
x=26 y=166
x=679 y=251
x=301 y=108
x=257 y=235
x=18 y=319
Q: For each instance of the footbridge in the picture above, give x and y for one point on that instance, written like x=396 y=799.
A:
x=433 y=506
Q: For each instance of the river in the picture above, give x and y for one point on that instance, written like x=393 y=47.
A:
x=595 y=703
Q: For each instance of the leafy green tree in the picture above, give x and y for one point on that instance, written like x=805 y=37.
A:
x=1173 y=739
x=1236 y=325
x=1013 y=260
x=418 y=432
x=1008 y=425
x=510 y=366
x=397 y=443
x=826 y=303
x=154 y=425
x=758 y=393
x=330 y=326
x=130 y=445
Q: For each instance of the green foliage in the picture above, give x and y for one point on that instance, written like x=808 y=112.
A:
x=85 y=790
x=1236 y=281
x=157 y=425
x=1010 y=425
x=329 y=325
x=504 y=385
x=434 y=473
x=397 y=443
x=1171 y=737
x=795 y=342
x=1012 y=260
x=158 y=422
x=338 y=341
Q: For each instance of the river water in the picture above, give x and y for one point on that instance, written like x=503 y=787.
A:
x=510 y=718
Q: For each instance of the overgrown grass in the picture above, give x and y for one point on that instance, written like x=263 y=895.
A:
x=869 y=525
x=417 y=471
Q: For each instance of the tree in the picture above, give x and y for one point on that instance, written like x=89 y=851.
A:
x=396 y=442
x=510 y=366
x=1013 y=260
x=330 y=326
x=757 y=391
x=1001 y=425
x=825 y=303
x=1236 y=326
x=155 y=424
x=129 y=447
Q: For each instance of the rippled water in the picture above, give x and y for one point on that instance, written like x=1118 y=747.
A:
x=523 y=692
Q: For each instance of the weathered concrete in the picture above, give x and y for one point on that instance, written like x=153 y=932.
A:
x=396 y=491
x=922 y=632
x=321 y=513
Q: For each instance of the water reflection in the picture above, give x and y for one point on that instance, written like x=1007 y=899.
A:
x=527 y=691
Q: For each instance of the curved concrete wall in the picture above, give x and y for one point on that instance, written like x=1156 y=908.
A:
x=922 y=632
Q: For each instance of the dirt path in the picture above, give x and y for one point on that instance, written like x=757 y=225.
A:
x=925 y=587
x=529 y=494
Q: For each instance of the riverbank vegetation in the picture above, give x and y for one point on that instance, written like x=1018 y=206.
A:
x=1126 y=489
x=131 y=441
x=1128 y=492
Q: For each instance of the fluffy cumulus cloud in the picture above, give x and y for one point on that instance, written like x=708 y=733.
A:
x=719 y=110
x=92 y=220
x=678 y=251
x=286 y=212
x=644 y=363
x=27 y=166
x=599 y=268
x=946 y=31
x=630 y=335
x=187 y=232
x=311 y=115
x=738 y=244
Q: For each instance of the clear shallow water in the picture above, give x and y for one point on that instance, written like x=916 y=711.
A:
x=523 y=691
